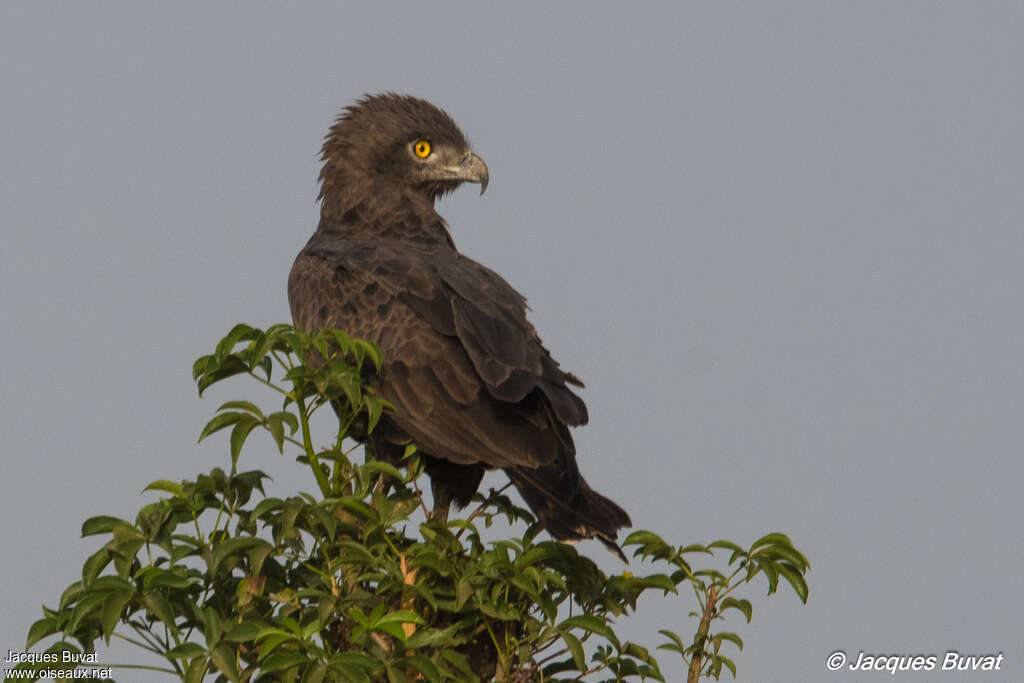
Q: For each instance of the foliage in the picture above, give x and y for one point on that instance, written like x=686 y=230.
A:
x=217 y=578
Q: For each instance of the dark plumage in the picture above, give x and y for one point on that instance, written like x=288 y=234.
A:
x=472 y=385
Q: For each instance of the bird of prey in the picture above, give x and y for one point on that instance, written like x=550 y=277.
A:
x=471 y=383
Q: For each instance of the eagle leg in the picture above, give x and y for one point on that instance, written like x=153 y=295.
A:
x=451 y=483
x=442 y=500
x=383 y=485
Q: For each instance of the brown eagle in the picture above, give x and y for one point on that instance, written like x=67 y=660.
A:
x=472 y=385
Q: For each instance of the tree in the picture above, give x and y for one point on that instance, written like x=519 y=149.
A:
x=217 y=578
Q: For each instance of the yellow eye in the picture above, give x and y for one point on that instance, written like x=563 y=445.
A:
x=422 y=149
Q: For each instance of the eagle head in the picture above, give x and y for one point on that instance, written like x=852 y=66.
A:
x=401 y=141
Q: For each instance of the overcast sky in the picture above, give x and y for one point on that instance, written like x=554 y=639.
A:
x=782 y=243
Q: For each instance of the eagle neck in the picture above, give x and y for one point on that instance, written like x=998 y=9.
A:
x=389 y=213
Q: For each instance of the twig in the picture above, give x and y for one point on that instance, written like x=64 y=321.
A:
x=419 y=494
x=480 y=508
x=697 y=661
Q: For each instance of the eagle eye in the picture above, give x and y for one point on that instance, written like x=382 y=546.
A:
x=421 y=148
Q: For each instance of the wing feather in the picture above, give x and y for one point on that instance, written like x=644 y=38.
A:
x=458 y=349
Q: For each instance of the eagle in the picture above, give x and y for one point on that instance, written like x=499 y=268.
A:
x=471 y=383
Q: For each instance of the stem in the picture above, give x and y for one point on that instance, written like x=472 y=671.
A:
x=294 y=442
x=697 y=661
x=266 y=383
x=502 y=664
x=557 y=653
x=307 y=445
x=283 y=360
x=138 y=643
x=731 y=585
x=419 y=494
x=480 y=508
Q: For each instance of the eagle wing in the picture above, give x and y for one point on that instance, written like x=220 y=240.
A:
x=469 y=378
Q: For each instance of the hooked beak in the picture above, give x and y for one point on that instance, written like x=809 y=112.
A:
x=472 y=169
x=437 y=179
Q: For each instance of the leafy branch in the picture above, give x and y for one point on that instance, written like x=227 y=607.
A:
x=215 y=578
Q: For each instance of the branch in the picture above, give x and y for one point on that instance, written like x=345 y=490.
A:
x=697 y=661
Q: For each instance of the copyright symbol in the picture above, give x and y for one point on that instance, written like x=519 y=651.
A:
x=836 y=660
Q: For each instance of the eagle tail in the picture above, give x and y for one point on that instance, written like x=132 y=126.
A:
x=568 y=508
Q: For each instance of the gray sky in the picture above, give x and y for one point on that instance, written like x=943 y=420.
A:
x=782 y=245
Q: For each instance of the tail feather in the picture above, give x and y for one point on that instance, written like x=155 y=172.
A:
x=568 y=508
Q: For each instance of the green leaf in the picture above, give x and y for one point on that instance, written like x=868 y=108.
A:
x=311 y=628
x=357 y=659
x=113 y=606
x=356 y=553
x=731 y=637
x=160 y=608
x=163 y=578
x=315 y=673
x=213 y=632
x=728 y=664
x=281 y=662
x=650 y=545
x=196 y=671
x=95 y=564
x=238 y=333
x=221 y=421
x=771 y=573
x=677 y=644
x=463 y=592
x=244 y=406
x=430 y=637
x=257 y=556
x=742 y=605
x=102 y=525
x=796 y=580
x=223 y=657
x=772 y=539
x=358 y=508
x=70 y=595
x=215 y=372
x=357 y=615
x=265 y=506
x=371 y=350
x=165 y=485
x=379 y=466
x=728 y=545
x=276 y=428
x=423 y=665
x=233 y=546
x=458 y=661
x=401 y=616
x=239 y=433
x=575 y=649
x=781 y=552
x=39 y=630
x=642 y=537
x=588 y=623
x=392 y=629
x=659 y=581
x=111 y=583
x=695 y=548
x=270 y=641
x=374 y=409
x=186 y=650
x=200 y=367
x=266 y=365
